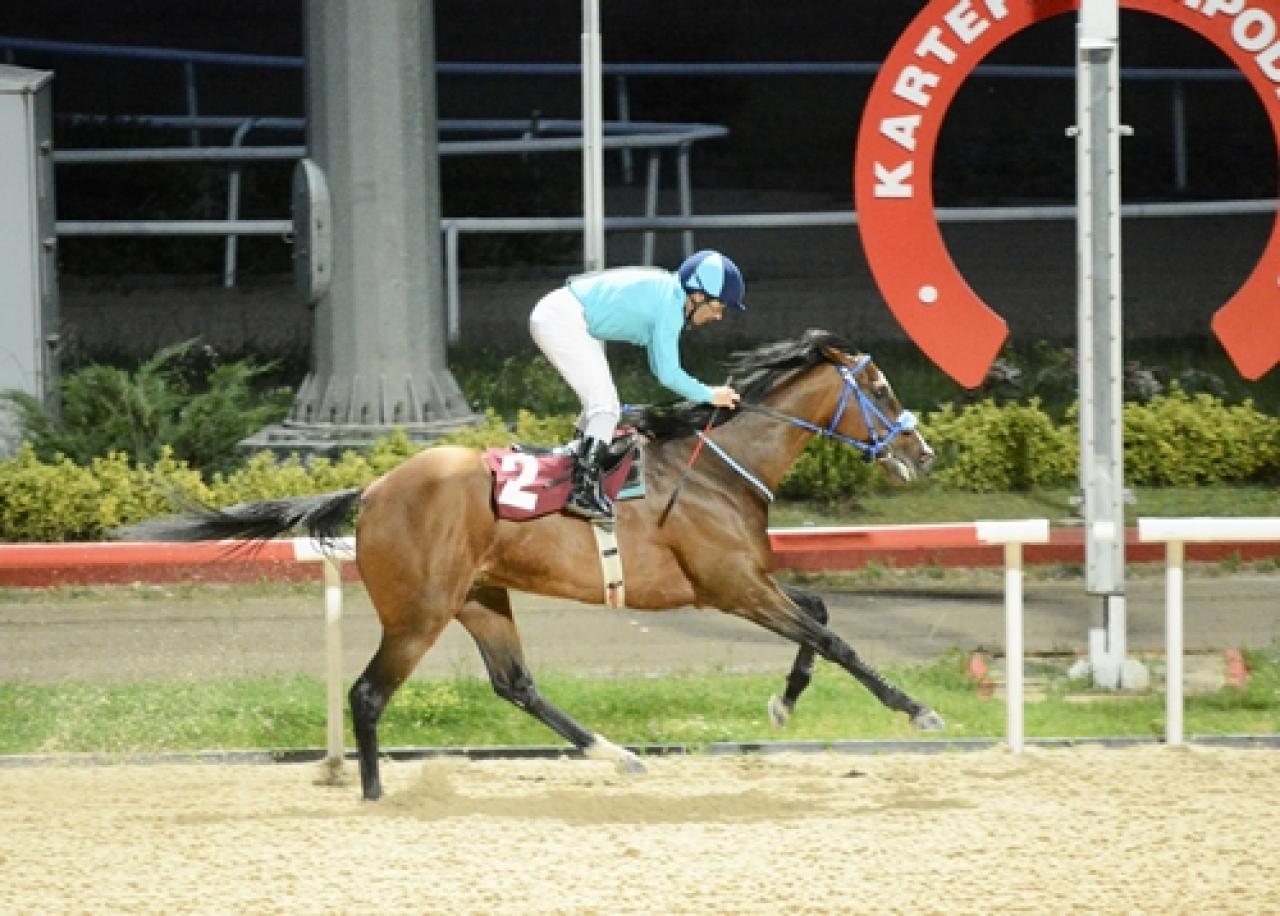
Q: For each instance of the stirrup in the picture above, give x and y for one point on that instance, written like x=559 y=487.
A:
x=590 y=505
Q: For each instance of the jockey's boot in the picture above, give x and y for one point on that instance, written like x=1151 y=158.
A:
x=572 y=446
x=587 y=498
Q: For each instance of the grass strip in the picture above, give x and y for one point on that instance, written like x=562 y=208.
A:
x=288 y=713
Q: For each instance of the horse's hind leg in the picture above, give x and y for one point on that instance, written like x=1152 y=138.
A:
x=398 y=654
x=487 y=617
x=781 y=707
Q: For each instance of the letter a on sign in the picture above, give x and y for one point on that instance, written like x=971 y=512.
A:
x=893 y=190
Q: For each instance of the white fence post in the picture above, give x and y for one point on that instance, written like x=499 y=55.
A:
x=1176 y=533
x=331 y=556
x=334 y=746
x=1173 y=578
x=1013 y=644
x=1013 y=534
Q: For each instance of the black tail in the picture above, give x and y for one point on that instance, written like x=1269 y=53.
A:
x=322 y=516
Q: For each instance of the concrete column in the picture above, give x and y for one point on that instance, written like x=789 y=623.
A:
x=378 y=341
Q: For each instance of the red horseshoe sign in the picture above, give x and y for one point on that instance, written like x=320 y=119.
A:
x=893 y=168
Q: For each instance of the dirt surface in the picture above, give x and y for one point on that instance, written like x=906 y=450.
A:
x=116 y=634
x=1140 y=830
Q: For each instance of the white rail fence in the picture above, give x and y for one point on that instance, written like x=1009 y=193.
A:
x=1175 y=533
x=1011 y=534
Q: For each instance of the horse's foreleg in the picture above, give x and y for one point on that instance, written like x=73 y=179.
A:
x=487 y=617
x=809 y=633
x=781 y=707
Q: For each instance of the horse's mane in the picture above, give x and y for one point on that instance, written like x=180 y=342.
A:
x=754 y=373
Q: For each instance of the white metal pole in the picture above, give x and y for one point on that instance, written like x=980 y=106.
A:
x=333 y=651
x=1173 y=642
x=1013 y=643
x=1099 y=342
x=592 y=140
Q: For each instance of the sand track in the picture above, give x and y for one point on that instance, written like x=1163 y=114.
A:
x=1138 y=830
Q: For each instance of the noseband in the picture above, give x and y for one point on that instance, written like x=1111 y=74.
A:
x=872 y=448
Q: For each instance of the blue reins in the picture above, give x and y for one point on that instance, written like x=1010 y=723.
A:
x=872 y=416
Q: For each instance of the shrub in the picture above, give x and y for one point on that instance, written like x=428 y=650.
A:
x=829 y=472
x=1179 y=440
x=1176 y=440
x=264 y=477
x=63 y=501
x=107 y=410
x=508 y=383
x=987 y=448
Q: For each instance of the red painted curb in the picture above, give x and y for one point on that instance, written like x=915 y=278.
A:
x=799 y=549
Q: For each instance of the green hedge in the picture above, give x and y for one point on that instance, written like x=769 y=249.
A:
x=1176 y=439
x=1180 y=440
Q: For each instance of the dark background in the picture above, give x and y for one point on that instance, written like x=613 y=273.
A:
x=790 y=148
x=1003 y=140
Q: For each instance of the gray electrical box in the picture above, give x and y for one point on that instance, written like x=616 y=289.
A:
x=28 y=241
x=312 y=232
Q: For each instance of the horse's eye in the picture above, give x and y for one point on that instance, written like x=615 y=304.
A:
x=881 y=390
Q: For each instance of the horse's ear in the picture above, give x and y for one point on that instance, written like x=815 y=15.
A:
x=839 y=357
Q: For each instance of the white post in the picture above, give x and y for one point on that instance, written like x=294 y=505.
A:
x=1013 y=534
x=1173 y=643
x=1013 y=643
x=1099 y=339
x=330 y=554
x=1176 y=534
x=592 y=140
x=335 y=750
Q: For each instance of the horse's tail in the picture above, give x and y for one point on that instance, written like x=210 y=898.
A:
x=322 y=516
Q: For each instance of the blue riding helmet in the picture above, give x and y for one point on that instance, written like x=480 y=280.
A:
x=712 y=273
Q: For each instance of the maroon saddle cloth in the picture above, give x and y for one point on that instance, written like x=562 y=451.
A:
x=529 y=485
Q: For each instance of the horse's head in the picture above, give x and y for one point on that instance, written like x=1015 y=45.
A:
x=819 y=384
x=870 y=416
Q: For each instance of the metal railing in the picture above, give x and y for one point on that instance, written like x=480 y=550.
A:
x=621 y=72
x=651 y=137
x=624 y=135
x=453 y=228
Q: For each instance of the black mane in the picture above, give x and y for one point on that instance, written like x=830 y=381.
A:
x=754 y=373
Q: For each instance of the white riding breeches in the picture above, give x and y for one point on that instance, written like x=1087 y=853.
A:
x=559 y=328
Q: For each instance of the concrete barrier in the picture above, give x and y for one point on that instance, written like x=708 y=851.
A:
x=800 y=549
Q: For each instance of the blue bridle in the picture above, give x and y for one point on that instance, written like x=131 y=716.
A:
x=872 y=416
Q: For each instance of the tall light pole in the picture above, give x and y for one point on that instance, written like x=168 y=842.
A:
x=1100 y=337
x=593 y=254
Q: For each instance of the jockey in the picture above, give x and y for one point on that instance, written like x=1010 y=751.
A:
x=645 y=306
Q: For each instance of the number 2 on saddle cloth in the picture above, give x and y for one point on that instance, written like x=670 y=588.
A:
x=527 y=485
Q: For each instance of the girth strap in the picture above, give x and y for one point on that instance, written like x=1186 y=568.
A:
x=615 y=593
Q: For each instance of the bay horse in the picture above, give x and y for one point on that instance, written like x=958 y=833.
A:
x=431 y=549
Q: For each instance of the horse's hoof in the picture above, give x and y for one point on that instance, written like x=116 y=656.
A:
x=604 y=749
x=631 y=765
x=926 y=720
x=779 y=711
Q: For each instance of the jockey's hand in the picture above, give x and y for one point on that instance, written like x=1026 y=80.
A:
x=724 y=396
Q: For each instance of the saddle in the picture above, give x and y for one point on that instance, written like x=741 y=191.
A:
x=529 y=483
